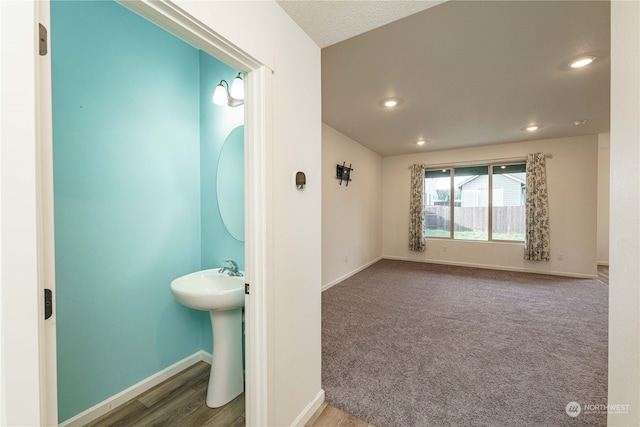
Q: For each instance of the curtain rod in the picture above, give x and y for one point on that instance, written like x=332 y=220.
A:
x=482 y=162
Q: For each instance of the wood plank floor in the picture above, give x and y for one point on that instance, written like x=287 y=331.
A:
x=330 y=416
x=180 y=402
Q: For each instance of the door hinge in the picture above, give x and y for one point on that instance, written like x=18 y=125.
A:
x=42 y=40
x=246 y=289
x=48 y=303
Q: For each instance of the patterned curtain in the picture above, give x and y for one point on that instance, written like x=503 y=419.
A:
x=417 y=241
x=536 y=245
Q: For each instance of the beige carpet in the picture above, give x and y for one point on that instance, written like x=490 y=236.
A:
x=414 y=344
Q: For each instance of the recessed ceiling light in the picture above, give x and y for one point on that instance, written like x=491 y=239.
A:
x=582 y=61
x=421 y=142
x=391 y=102
x=532 y=128
x=579 y=122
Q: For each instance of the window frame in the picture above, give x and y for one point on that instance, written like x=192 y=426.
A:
x=452 y=169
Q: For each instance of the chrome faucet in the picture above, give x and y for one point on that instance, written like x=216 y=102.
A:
x=232 y=269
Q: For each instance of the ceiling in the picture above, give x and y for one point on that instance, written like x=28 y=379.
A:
x=330 y=22
x=468 y=73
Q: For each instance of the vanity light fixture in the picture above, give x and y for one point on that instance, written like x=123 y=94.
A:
x=582 y=61
x=232 y=97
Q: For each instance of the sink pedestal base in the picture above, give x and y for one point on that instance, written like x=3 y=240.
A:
x=226 y=380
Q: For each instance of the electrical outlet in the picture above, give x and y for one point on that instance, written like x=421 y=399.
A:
x=346 y=258
x=560 y=257
x=444 y=249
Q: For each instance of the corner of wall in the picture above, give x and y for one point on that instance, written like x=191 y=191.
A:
x=604 y=173
x=351 y=214
x=624 y=292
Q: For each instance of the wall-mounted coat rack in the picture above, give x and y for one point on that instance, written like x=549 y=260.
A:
x=343 y=173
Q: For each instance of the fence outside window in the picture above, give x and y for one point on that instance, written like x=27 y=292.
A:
x=476 y=202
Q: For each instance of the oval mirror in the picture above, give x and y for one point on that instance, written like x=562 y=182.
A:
x=230 y=183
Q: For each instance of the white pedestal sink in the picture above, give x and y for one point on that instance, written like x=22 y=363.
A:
x=223 y=296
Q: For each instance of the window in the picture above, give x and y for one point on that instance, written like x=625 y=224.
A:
x=488 y=202
x=508 y=202
x=437 y=203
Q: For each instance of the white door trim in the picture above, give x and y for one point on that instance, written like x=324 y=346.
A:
x=178 y=22
x=44 y=206
x=257 y=221
x=21 y=384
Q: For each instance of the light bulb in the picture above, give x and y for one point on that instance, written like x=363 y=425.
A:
x=220 y=95
x=237 y=88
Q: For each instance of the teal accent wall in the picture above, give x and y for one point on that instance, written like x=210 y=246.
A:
x=134 y=150
x=216 y=123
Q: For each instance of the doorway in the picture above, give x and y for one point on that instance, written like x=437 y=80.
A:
x=150 y=163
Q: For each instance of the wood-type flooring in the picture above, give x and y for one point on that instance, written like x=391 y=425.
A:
x=180 y=402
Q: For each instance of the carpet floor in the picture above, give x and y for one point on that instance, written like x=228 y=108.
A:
x=415 y=344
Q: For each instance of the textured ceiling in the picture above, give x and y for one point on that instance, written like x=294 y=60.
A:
x=329 y=22
x=470 y=73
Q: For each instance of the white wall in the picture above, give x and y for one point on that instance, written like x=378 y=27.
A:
x=572 y=186
x=603 y=198
x=265 y=31
x=351 y=215
x=624 y=265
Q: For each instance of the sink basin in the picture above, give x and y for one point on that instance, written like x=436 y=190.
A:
x=223 y=297
x=209 y=290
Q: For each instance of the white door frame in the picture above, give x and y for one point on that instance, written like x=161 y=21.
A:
x=257 y=143
x=21 y=376
x=44 y=206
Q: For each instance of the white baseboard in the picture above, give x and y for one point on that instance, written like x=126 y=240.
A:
x=206 y=357
x=309 y=410
x=495 y=267
x=351 y=273
x=124 y=396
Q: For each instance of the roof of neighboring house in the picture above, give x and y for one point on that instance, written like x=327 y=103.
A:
x=506 y=175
